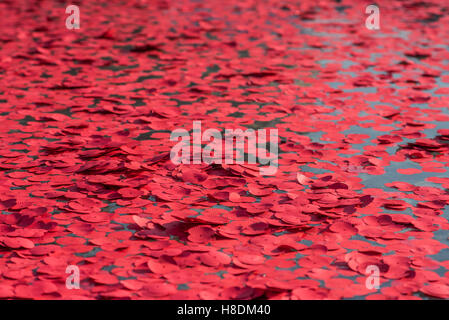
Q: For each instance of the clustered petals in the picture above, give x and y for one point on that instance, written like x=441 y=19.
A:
x=87 y=179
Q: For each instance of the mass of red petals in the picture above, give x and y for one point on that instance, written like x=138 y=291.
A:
x=87 y=181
